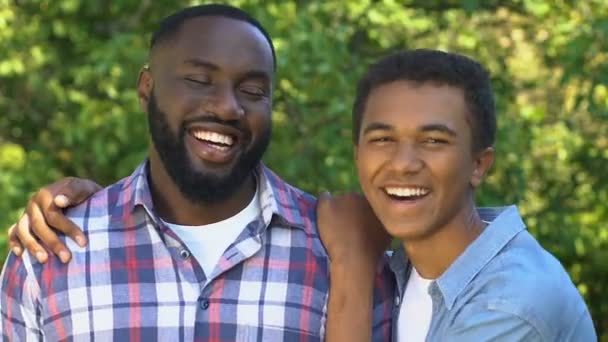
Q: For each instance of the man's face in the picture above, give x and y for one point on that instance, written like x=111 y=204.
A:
x=414 y=157
x=209 y=105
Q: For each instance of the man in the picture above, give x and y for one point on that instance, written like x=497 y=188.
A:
x=201 y=242
x=423 y=129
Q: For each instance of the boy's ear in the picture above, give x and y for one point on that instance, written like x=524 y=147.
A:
x=483 y=163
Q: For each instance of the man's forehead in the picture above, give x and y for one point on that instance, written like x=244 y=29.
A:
x=218 y=38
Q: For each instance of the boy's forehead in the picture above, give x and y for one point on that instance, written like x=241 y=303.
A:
x=404 y=103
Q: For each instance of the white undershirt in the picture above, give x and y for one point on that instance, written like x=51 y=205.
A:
x=416 y=309
x=207 y=243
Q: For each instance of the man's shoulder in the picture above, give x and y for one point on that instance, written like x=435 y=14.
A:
x=100 y=205
x=292 y=202
x=278 y=184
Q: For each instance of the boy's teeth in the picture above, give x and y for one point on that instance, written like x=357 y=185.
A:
x=406 y=192
x=213 y=137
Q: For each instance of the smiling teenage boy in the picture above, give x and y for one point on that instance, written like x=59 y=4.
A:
x=424 y=128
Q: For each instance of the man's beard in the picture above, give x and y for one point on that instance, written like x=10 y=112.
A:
x=201 y=187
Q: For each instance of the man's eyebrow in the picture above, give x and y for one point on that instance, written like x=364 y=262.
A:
x=256 y=74
x=376 y=126
x=200 y=63
x=438 y=128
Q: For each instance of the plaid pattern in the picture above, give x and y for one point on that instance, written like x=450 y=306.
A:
x=137 y=281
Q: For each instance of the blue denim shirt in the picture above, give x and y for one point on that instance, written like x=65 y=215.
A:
x=505 y=287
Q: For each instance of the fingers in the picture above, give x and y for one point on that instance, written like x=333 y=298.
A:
x=325 y=194
x=324 y=197
x=61 y=201
x=323 y=204
x=44 y=213
x=39 y=226
x=68 y=192
x=27 y=240
x=74 y=191
x=56 y=218
x=13 y=242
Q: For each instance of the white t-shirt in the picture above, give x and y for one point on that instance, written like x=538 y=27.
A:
x=416 y=309
x=207 y=243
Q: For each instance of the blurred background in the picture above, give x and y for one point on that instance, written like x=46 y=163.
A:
x=68 y=104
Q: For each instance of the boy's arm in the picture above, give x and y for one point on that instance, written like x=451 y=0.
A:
x=350 y=308
x=355 y=242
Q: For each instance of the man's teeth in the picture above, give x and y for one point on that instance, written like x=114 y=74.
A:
x=214 y=137
x=406 y=192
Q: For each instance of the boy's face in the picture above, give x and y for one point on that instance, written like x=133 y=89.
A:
x=414 y=157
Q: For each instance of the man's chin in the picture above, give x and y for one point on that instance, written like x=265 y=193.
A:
x=209 y=189
x=208 y=183
x=217 y=172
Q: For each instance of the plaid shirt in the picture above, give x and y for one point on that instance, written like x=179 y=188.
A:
x=137 y=281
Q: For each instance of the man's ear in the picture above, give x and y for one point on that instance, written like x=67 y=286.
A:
x=145 y=84
x=355 y=154
x=482 y=164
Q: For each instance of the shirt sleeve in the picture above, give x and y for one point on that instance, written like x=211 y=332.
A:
x=492 y=325
x=583 y=329
x=384 y=292
x=19 y=302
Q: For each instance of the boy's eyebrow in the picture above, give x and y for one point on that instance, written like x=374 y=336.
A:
x=440 y=128
x=377 y=126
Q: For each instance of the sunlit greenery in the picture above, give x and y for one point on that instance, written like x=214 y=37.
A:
x=68 y=105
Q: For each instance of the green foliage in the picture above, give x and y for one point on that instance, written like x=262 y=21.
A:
x=68 y=104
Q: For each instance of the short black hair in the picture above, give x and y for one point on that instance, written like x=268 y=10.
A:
x=171 y=24
x=443 y=68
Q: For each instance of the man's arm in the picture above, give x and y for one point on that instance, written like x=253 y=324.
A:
x=44 y=215
x=355 y=242
x=19 y=292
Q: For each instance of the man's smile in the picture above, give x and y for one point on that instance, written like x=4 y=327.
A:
x=214 y=143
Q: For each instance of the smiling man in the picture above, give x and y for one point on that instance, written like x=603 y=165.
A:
x=201 y=242
x=423 y=129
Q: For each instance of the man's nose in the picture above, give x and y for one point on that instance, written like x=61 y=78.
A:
x=225 y=104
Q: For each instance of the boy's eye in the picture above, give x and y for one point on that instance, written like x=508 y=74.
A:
x=380 y=140
x=435 y=141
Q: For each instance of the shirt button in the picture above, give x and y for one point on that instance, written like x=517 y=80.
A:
x=184 y=254
x=397 y=300
x=205 y=304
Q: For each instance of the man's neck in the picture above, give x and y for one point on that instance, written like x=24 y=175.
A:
x=174 y=207
x=434 y=254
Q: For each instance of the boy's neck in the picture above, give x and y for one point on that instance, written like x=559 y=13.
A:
x=434 y=254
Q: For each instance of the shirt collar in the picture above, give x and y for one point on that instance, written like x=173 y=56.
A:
x=505 y=224
x=278 y=200
x=283 y=202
